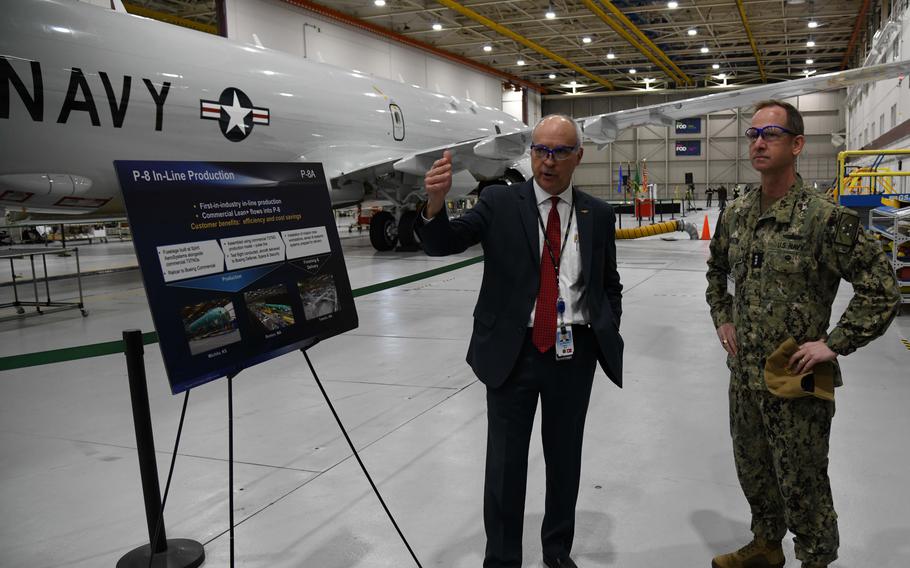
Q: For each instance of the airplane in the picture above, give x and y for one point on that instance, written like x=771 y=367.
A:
x=80 y=88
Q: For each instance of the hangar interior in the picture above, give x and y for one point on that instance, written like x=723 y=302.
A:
x=658 y=483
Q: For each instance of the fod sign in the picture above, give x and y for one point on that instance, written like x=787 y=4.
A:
x=688 y=126
x=688 y=147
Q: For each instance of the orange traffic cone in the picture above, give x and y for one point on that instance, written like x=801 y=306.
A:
x=706 y=230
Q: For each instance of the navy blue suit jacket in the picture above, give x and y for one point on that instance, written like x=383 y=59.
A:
x=505 y=221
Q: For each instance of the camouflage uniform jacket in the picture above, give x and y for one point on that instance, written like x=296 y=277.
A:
x=785 y=267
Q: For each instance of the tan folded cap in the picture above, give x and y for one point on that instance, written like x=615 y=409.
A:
x=785 y=383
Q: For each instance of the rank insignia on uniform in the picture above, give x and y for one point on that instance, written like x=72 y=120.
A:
x=847 y=228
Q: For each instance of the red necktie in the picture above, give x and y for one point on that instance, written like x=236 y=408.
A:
x=544 y=333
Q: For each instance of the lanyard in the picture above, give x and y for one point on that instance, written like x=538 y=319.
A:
x=565 y=237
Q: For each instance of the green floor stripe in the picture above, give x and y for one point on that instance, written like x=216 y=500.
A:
x=112 y=347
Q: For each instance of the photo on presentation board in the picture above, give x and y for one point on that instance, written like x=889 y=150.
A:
x=210 y=325
x=270 y=307
x=222 y=247
x=319 y=296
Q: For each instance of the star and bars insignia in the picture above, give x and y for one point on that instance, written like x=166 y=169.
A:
x=235 y=114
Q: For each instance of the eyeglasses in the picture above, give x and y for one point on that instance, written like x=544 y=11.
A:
x=560 y=153
x=769 y=133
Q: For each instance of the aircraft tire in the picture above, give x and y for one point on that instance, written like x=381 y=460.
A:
x=383 y=232
x=407 y=237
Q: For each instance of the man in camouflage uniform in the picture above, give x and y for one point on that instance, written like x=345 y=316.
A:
x=777 y=258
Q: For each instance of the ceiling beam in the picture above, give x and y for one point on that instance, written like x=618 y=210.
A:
x=854 y=37
x=502 y=30
x=742 y=15
x=647 y=41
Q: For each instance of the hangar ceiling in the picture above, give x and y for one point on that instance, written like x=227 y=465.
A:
x=600 y=45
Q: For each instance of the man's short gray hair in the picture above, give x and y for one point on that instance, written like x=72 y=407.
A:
x=578 y=132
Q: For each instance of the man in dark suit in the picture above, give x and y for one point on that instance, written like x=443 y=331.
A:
x=548 y=311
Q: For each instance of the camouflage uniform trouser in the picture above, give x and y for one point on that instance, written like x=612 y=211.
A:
x=781 y=452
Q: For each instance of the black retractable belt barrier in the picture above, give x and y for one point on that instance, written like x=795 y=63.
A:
x=161 y=552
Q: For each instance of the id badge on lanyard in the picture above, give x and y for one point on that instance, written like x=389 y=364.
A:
x=565 y=345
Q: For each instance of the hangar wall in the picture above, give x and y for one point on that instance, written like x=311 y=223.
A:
x=300 y=32
x=724 y=154
x=876 y=110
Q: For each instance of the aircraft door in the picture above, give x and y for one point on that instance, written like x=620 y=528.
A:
x=397 y=122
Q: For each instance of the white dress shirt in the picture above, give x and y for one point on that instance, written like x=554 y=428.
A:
x=571 y=286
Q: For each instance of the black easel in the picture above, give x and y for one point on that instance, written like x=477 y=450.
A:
x=357 y=455
x=161 y=552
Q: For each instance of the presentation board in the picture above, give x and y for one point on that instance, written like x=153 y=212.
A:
x=241 y=262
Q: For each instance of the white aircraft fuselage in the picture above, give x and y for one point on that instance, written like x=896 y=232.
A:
x=82 y=86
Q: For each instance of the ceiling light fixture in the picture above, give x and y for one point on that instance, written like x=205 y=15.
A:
x=488 y=48
x=437 y=26
x=810 y=43
x=692 y=32
x=632 y=71
x=810 y=61
x=672 y=4
x=520 y=62
x=611 y=55
x=812 y=24
x=704 y=49
x=586 y=39
x=379 y=3
x=715 y=66
x=552 y=75
x=550 y=14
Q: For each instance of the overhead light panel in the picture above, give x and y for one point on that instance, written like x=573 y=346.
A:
x=586 y=39
x=520 y=62
x=692 y=32
x=715 y=66
x=810 y=61
x=810 y=43
x=633 y=71
x=721 y=75
x=550 y=14
x=437 y=26
x=812 y=24
x=611 y=55
x=552 y=75
x=379 y=3
x=704 y=49
x=488 y=48
x=672 y=4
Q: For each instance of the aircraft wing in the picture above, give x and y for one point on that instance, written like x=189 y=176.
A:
x=604 y=128
x=485 y=158
x=488 y=157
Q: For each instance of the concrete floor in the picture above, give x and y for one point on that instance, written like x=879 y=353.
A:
x=658 y=486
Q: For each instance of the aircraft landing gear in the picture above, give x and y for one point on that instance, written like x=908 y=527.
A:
x=383 y=232
x=407 y=237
